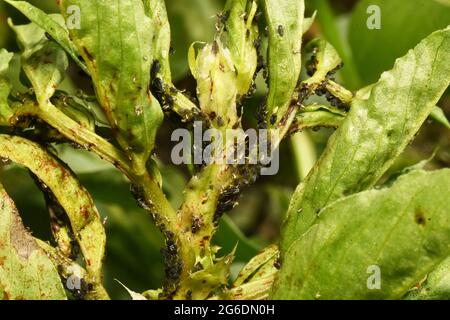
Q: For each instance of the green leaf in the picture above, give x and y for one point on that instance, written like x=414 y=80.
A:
x=403 y=24
x=55 y=28
x=241 y=36
x=5 y=87
x=133 y=295
x=374 y=132
x=115 y=40
x=254 y=267
x=26 y=273
x=137 y=262
x=70 y=194
x=43 y=61
x=285 y=24
x=156 y=11
x=403 y=231
x=316 y=116
x=326 y=59
x=435 y=287
x=439 y=116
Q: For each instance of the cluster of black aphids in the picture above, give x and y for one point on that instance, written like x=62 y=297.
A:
x=311 y=64
x=173 y=264
x=261 y=114
x=139 y=194
x=85 y=288
x=157 y=87
x=246 y=176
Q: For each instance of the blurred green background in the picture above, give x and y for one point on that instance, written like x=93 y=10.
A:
x=133 y=242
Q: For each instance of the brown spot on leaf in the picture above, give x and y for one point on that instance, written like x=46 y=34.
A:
x=419 y=217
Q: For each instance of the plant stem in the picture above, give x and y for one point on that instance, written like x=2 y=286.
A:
x=339 y=92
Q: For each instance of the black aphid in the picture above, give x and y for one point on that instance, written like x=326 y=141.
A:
x=280 y=30
x=155 y=69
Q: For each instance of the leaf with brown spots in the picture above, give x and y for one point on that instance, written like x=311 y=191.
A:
x=72 y=196
x=403 y=229
x=25 y=270
x=115 y=40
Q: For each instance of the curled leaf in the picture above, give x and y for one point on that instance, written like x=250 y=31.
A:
x=70 y=194
x=43 y=61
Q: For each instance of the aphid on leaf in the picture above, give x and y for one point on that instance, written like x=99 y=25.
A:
x=156 y=67
x=280 y=30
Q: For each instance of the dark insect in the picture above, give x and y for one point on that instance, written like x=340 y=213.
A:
x=277 y=263
x=48 y=36
x=220 y=121
x=156 y=67
x=224 y=16
x=257 y=43
x=157 y=87
x=273 y=119
x=171 y=247
x=281 y=30
x=196 y=224
x=215 y=47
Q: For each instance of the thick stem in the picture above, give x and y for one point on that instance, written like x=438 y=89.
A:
x=197 y=221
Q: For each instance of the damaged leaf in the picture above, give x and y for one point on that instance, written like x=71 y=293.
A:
x=70 y=194
x=402 y=232
x=26 y=273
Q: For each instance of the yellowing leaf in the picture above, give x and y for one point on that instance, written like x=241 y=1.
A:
x=26 y=273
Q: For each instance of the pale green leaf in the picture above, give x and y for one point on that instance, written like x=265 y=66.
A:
x=43 y=61
x=115 y=40
x=326 y=59
x=241 y=34
x=435 y=287
x=402 y=231
x=254 y=267
x=55 y=28
x=374 y=132
x=285 y=24
x=156 y=11
x=134 y=295
x=5 y=87
x=439 y=116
